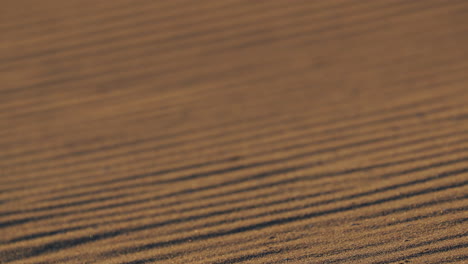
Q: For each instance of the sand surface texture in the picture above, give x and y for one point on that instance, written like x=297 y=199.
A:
x=233 y=131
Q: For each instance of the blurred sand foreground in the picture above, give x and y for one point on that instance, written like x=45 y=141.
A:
x=233 y=131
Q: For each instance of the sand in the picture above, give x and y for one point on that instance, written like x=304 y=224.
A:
x=233 y=131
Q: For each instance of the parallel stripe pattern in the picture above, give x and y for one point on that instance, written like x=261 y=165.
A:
x=233 y=131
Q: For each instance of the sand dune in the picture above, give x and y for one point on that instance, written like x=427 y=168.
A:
x=233 y=131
